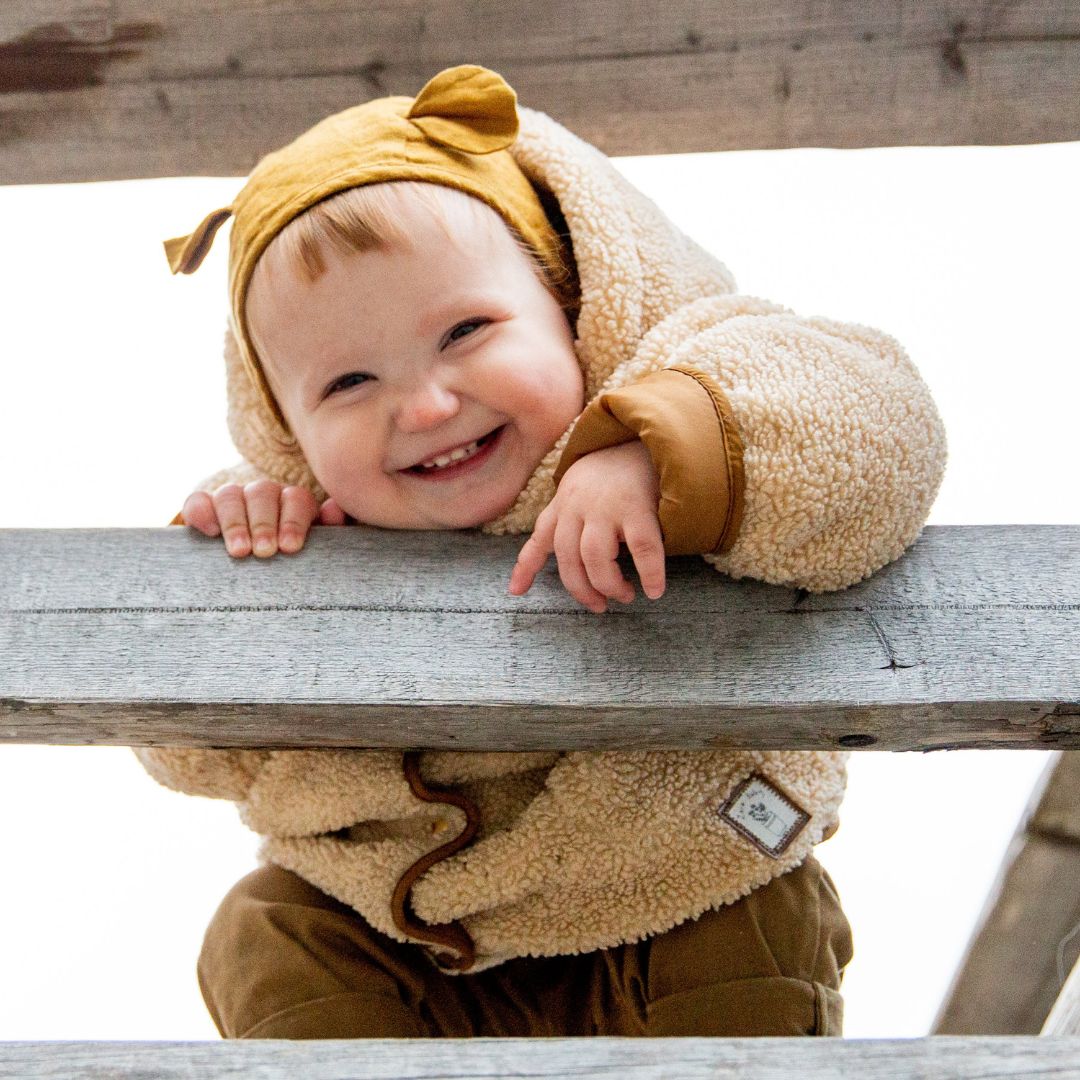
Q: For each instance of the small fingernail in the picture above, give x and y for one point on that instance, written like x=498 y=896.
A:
x=263 y=547
x=235 y=546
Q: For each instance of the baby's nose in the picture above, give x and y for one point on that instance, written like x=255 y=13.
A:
x=426 y=406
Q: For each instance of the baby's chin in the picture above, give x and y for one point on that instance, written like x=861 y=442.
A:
x=473 y=509
x=472 y=517
x=458 y=514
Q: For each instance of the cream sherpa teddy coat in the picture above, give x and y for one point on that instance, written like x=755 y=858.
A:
x=823 y=451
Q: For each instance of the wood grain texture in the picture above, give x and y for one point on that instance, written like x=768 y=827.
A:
x=30 y=22
x=597 y=1058
x=200 y=87
x=1028 y=936
x=381 y=638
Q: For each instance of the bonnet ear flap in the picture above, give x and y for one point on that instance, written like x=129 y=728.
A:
x=186 y=253
x=468 y=108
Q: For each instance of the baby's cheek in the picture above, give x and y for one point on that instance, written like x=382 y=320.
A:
x=341 y=484
x=332 y=473
x=554 y=396
x=562 y=409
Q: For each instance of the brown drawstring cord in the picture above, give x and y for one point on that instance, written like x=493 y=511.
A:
x=453 y=933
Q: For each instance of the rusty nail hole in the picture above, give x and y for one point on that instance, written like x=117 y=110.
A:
x=857 y=740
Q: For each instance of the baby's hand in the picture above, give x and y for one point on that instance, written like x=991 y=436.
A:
x=262 y=516
x=604 y=498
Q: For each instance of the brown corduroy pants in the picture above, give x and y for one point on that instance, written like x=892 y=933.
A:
x=282 y=960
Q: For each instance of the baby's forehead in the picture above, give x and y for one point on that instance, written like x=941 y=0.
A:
x=431 y=222
x=471 y=251
x=469 y=224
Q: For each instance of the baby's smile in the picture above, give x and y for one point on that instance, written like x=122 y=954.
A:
x=460 y=461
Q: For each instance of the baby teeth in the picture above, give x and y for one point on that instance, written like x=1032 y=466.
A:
x=455 y=455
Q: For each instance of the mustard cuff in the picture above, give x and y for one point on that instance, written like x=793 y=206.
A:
x=685 y=421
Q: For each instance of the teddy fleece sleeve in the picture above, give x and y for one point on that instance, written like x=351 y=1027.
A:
x=822 y=457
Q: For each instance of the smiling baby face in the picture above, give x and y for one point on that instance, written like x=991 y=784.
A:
x=424 y=381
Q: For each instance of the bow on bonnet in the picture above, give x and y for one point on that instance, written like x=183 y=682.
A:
x=456 y=132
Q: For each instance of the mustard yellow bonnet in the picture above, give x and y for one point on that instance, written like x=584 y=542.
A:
x=455 y=132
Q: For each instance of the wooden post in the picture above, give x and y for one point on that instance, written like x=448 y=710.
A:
x=1064 y=1018
x=1029 y=933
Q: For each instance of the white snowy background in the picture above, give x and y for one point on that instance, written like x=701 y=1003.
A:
x=112 y=407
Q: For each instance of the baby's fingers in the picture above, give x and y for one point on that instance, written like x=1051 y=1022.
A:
x=298 y=510
x=599 y=550
x=572 y=568
x=231 y=513
x=646 y=544
x=534 y=554
x=199 y=513
x=263 y=498
x=530 y=562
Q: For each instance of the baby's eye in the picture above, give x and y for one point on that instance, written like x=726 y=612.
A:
x=346 y=382
x=454 y=336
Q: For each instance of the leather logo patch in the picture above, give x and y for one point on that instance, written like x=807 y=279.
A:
x=765 y=815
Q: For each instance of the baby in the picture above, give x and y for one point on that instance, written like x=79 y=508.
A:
x=448 y=313
x=443 y=340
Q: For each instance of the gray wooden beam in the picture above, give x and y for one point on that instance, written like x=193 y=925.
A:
x=111 y=89
x=599 y=1058
x=1028 y=936
x=385 y=638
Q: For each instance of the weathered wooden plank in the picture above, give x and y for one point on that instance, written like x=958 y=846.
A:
x=598 y=1058
x=32 y=22
x=198 y=87
x=1064 y=1018
x=1026 y=938
x=1056 y=802
x=378 y=638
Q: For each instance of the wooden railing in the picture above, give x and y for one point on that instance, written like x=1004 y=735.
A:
x=387 y=638
x=112 y=89
x=597 y=1058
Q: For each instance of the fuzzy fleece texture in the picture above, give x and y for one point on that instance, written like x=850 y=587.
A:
x=843 y=454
